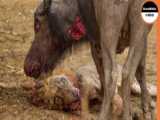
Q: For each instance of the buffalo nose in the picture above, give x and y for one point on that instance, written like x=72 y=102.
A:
x=32 y=69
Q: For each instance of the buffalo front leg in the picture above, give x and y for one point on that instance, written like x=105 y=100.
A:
x=145 y=97
x=110 y=26
x=110 y=77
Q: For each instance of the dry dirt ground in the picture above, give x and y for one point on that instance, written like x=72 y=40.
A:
x=16 y=35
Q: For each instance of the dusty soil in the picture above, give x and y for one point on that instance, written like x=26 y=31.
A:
x=16 y=35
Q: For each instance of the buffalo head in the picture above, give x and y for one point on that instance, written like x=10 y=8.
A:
x=55 y=28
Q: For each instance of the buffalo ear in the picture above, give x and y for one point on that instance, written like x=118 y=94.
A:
x=47 y=4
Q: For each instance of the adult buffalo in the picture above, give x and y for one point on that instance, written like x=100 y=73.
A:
x=111 y=26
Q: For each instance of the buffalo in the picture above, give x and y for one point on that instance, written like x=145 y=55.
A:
x=110 y=26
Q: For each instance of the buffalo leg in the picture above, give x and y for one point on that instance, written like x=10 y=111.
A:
x=145 y=97
x=110 y=27
x=138 y=34
x=109 y=83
